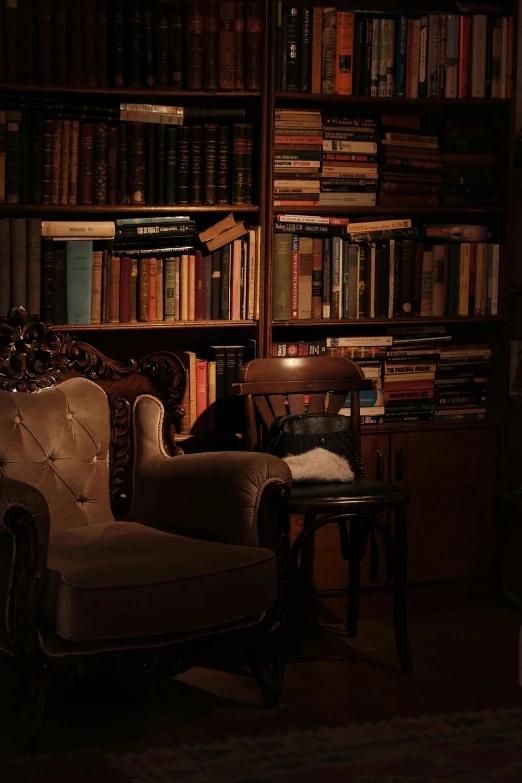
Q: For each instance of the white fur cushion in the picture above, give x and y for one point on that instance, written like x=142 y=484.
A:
x=319 y=465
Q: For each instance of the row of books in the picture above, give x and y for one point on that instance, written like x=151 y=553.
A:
x=414 y=379
x=143 y=269
x=354 y=161
x=47 y=160
x=331 y=275
x=208 y=404
x=204 y=44
x=386 y=55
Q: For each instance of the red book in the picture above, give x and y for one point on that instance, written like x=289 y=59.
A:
x=199 y=311
x=153 y=293
x=295 y=278
x=464 y=56
x=125 y=266
x=201 y=391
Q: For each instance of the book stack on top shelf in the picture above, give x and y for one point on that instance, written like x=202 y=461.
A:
x=196 y=45
x=330 y=268
x=383 y=54
x=57 y=154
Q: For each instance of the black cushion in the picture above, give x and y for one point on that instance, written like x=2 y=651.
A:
x=360 y=490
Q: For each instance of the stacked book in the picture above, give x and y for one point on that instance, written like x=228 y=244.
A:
x=411 y=165
x=349 y=162
x=469 y=164
x=391 y=54
x=461 y=383
x=329 y=268
x=199 y=45
x=409 y=382
x=298 y=138
x=148 y=270
x=89 y=157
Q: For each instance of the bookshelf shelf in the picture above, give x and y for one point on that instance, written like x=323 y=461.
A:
x=126 y=92
x=52 y=210
x=303 y=97
x=364 y=322
x=162 y=325
x=347 y=210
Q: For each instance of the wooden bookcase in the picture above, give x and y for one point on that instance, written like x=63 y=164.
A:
x=454 y=471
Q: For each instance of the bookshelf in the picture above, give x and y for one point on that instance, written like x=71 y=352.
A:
x=454 y=441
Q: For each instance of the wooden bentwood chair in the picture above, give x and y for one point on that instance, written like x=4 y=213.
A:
x=277 y=387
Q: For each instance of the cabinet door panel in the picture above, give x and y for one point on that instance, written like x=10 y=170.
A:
x=450 y=478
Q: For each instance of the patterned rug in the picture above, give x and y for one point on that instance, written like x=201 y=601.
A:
x=475 y=747
x=468 y=748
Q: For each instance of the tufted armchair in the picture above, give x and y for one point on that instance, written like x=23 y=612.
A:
x=197 y=556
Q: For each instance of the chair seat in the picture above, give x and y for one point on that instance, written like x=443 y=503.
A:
x=363 y=492
x=126 y=580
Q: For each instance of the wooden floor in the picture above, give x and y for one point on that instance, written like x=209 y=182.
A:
x=465 y=650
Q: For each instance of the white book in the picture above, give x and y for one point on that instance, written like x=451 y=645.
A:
x=352 y=199
x=366 y=341
x=80 y=229
x=329 y=172
x=356 y=147
x=379 y=225
x=479 y=27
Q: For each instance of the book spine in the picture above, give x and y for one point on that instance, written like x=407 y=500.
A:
x=11 y=40
x=223 y=171
x=160 y=163
x=160 y=293
x=317 y=37
x=100 y=162
x=389 y=57
x=150 y=163
x=34 y=265
x=242 y=164
x=195 y=192
x=85 y=163
x=183 y=185
x=463 y=301
x=191 y=288
x=143 y=289
x=136 y=175
x=433 y=55
x=89 y=34
x=46 y=306
x=452 y=56
x=479 y=32
x=124 y=290
x=79 y=281
x=71 y=189
x=236 y=281
x=211 y=44
x=65 y=152
x=216 y=286
x=35 y=157
x=423 y=58
x=25 y=159
x=194 y=45
x=25 y=44
x=253 y=45
x=374 y=74
x=292 y=48
x=464 y=57
x=112 y=165
x=495 y=264
x=336 y=278
x=76 y=39
x=239 y=46
x=55 y=161
x=134 y=40
x=344 y=53
x=44 y=26
x=102 y=45
x=118 y=43
x=96 y=286
x=147 y=44
x=210 y=153
x=226 y=44
x=3 y=152
x=294 y=291
x=176 y=45
x=114 y=297
x=162 y=43
x=172 y=162
x=153 y=289
x=472 y=288
x=170 y=288
x=225 y=283
x=317 y=279
x=328 y=63
x=123 y=189
x=207 y=288
x=133 y=290
x=199 y=307
x=401 y=42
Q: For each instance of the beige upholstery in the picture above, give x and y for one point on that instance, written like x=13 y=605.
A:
x=57 y=440
x=216 y=497
x=126 y=580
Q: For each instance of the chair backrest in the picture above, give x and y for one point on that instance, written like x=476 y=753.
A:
x=35 y=361
x=277 y=387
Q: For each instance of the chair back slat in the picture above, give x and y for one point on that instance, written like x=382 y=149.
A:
x=336 y=402
x=277 y=403
x=316 y=403
x=265 y=412
x=296 y=404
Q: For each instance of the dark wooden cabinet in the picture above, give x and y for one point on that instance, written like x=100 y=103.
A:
x=450 y=478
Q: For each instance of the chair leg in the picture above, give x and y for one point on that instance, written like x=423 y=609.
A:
x=399 y=592
x=36 y=683
x=267 y=664
x=306 y=569
x=354 y=576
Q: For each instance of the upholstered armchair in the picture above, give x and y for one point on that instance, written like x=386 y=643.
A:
x=115 y=548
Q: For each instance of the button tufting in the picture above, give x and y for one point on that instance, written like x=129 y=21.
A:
x=69 y=416
x=82 y=500
x=17 y=420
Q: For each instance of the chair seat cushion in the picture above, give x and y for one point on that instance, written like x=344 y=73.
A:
x=125 y=580
x=335 y=492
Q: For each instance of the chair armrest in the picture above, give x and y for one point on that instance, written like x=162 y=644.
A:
x=24 y=540
x=228 y=496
